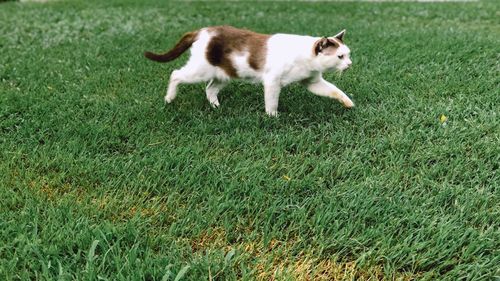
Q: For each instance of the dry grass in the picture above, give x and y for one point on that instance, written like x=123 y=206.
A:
x=100 y=180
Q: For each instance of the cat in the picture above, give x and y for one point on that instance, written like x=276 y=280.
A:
x=221 y=53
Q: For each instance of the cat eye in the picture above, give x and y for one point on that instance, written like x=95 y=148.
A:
x=341 y=56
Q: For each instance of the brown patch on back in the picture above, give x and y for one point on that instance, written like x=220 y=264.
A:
x=258 y=49
x=229 y=40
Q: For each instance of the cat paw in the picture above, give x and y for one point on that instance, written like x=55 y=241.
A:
x=348 y=103
x=273 y=113
x=215 y=103
x=168 y=99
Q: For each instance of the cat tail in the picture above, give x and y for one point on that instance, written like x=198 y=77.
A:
x=185 y=43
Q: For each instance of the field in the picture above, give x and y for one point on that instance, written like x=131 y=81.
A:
x=99 y=180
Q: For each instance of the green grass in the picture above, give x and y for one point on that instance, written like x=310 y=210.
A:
x=98 y=179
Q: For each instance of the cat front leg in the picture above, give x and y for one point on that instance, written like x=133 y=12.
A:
x=323 y=88
x=272 y=90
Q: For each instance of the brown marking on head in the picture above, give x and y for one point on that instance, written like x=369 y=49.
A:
x=326 y=45
x=228 y=40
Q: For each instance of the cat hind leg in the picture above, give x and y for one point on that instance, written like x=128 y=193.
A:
x=189 y=74
x=213 y=89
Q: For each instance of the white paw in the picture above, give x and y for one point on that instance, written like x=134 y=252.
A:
x=214 y=103
x=272 y=113
x=348 y=103
x=168 y=99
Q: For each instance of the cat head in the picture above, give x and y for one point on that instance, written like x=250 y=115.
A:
x=332 y=53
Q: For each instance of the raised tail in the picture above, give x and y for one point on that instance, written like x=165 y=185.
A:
x=181 y=46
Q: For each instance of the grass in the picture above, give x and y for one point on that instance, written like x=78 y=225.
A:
x=100 y=180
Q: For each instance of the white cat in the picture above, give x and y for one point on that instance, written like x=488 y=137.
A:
x=224 y=52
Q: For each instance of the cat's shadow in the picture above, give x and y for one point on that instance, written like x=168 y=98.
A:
x=296 y=105
x=242 y=109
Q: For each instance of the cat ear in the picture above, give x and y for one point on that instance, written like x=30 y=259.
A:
x=340 y=35
x=320 y=45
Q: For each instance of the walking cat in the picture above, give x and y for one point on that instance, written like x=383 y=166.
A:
x=221 y=53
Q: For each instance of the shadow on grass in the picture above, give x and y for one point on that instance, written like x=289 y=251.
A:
x=243 y=109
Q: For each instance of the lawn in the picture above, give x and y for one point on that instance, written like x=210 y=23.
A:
x=100 y=180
